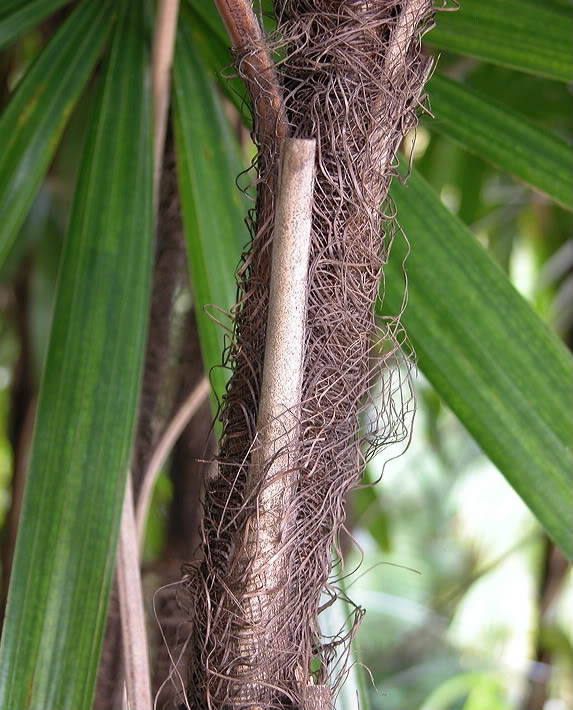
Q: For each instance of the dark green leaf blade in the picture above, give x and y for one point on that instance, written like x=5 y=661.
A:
x=502 y=137
x=523 y=35
x=208 y=163
x=19 y=16
x=486 y=352
x=34 y=119
x=64 y=557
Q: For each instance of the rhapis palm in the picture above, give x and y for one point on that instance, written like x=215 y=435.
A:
x=332 y=90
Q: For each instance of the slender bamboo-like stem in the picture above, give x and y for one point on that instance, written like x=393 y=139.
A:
x=273 y=473
x=137 y=676
x=162 y=58
x=170 y=436
x=258 y=68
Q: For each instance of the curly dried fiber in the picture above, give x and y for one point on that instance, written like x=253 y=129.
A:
x=350 y=74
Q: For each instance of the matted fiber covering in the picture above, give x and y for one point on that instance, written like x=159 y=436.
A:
x=349 y=74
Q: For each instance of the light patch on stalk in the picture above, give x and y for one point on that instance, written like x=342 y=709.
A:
x=273 y=468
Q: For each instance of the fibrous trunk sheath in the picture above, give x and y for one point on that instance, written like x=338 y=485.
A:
x=349 y=75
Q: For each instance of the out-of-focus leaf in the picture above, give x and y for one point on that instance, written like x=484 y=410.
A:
x=487 y=353
x=368 y=513
x=19 y=16
x=485 y=684
x=501 y=136
x=528 y=36
x=208 y=14
x=515 y=89
x=488 y=692
x=33 y=121
x=64 y=557
x=213 y=208
x=556 y=640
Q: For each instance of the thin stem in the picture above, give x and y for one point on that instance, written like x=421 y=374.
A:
x=255 y=63
x=170 y=436
x=405 y=31
x=407 y=28
x=137 y=676
x=272 y=473
x=162 y=58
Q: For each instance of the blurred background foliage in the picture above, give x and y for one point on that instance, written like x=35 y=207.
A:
x=468 y=602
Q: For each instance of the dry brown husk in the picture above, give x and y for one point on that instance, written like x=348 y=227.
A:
x=349 y=74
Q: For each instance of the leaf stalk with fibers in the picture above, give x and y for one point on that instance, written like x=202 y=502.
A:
x=272 y=477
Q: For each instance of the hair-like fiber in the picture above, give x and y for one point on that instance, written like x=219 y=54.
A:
x=349 y=73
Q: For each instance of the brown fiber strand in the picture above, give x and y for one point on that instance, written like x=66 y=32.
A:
x=350 y=74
